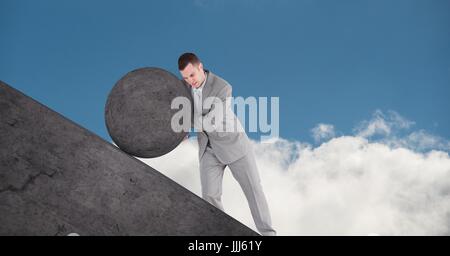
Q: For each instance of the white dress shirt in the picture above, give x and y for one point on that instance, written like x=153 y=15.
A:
x=198 y=104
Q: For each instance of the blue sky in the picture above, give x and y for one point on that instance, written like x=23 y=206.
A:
x=333 y=62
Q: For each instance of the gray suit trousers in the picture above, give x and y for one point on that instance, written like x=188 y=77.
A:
x=245 y=171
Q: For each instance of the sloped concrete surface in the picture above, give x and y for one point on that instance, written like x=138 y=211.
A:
x=58 y=178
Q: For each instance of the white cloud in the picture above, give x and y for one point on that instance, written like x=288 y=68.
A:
x=200 y=3
x=322 y=132
x=348 y=185
x=420 y=141
x=390 y=126
x=382 y=124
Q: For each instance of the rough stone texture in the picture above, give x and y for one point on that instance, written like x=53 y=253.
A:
x=58 y=178
x=138 y=113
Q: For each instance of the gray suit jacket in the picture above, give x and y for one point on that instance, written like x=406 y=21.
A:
x=228 y=146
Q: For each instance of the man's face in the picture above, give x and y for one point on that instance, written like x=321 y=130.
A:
x=193 y=74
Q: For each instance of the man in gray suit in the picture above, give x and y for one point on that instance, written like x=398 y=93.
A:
x=220 y=147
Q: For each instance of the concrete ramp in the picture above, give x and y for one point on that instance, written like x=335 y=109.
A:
x=57 y=178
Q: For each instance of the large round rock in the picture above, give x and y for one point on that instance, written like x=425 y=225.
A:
x=138 y=112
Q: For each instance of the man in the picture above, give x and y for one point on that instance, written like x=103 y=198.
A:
x=220 y=148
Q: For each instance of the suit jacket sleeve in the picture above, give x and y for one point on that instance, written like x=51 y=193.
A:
x=188 y=90
x=223 y=97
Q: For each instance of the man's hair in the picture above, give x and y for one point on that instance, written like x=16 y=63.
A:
x=187 y=58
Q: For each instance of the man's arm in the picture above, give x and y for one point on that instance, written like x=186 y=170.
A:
x=188 y=89
x=222 y=98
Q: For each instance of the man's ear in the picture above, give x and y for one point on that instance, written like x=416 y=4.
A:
x=200 y=66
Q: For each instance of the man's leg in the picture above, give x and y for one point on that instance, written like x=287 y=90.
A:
x=211 y=176
x=245 y=172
